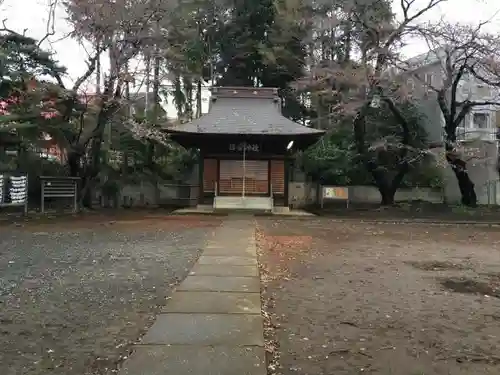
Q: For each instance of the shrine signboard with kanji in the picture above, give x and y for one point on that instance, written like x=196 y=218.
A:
x=14 y=191
x=247 y=147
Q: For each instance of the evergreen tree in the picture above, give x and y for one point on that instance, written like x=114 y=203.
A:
x=263 y=45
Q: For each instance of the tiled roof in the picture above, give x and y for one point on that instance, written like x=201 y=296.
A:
x=244 y=114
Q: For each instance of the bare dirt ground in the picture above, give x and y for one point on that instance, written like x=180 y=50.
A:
x=74 y=294
x=384 y=299
x=415 y=210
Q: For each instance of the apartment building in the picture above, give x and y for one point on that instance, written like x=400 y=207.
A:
x=480 y=124
x=477 y=134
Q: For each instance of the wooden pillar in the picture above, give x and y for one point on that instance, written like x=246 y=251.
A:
x=269 y=187
x=217 y=188
x=287 y=163
x=201 y=170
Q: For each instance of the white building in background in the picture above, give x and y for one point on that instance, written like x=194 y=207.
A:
x=168 y=103
x=480 y=124
x=477 y=133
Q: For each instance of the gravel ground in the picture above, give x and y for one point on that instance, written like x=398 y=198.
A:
x=355 y=298
x=73 y=299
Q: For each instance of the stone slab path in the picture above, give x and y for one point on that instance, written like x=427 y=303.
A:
x=212 y=325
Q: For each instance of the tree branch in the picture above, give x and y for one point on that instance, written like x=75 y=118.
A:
x=50 y=25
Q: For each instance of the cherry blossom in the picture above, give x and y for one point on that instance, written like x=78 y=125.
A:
x=49 y=114
x=3 y=108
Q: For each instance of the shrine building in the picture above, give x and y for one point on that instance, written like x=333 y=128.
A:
x=246 y=148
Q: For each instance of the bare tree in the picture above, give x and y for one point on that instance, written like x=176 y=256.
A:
x=380 y=46
x=466 y=64
x=50 y=28
x=360 y=84
x=121 y=29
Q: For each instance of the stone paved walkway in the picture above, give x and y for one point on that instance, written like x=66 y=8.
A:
x=212 y=325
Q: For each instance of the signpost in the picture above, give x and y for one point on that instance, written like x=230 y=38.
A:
x=14 y=191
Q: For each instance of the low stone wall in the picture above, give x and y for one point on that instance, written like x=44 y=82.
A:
x=370 y=194
x=151 y=195
x=304 y=193
x=300 y=194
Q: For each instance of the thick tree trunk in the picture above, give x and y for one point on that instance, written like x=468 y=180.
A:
x=91 y=172
x=387 y=197
x=74 y=164
x=465 y=183
x=386 y=187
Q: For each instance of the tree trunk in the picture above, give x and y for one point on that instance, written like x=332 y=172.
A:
x=188 y=92
x=156 y=107
x=98 y=70
x=156 y=86
x=93 y=166
x=91 y=171
x=198 y=98
x=178 y=96
x=387 y=196
x=386 y=189
x=74 y=163
x=465 y=183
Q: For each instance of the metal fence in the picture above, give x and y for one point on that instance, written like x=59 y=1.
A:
x=59 y=188
x=489 y=193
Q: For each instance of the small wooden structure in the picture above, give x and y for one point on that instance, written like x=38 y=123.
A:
x=246 y=146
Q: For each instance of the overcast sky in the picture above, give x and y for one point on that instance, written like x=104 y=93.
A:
x=32 y=15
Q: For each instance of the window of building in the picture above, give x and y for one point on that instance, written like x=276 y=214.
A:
x=428 y=79
x=411 y=84
x=480 y=120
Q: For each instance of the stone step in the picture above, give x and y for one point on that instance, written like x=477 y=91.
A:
x=243 y=203
x=213 y=303
x=196 y=360
x=206 y=329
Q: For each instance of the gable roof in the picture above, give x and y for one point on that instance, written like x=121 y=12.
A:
x=244 y=111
